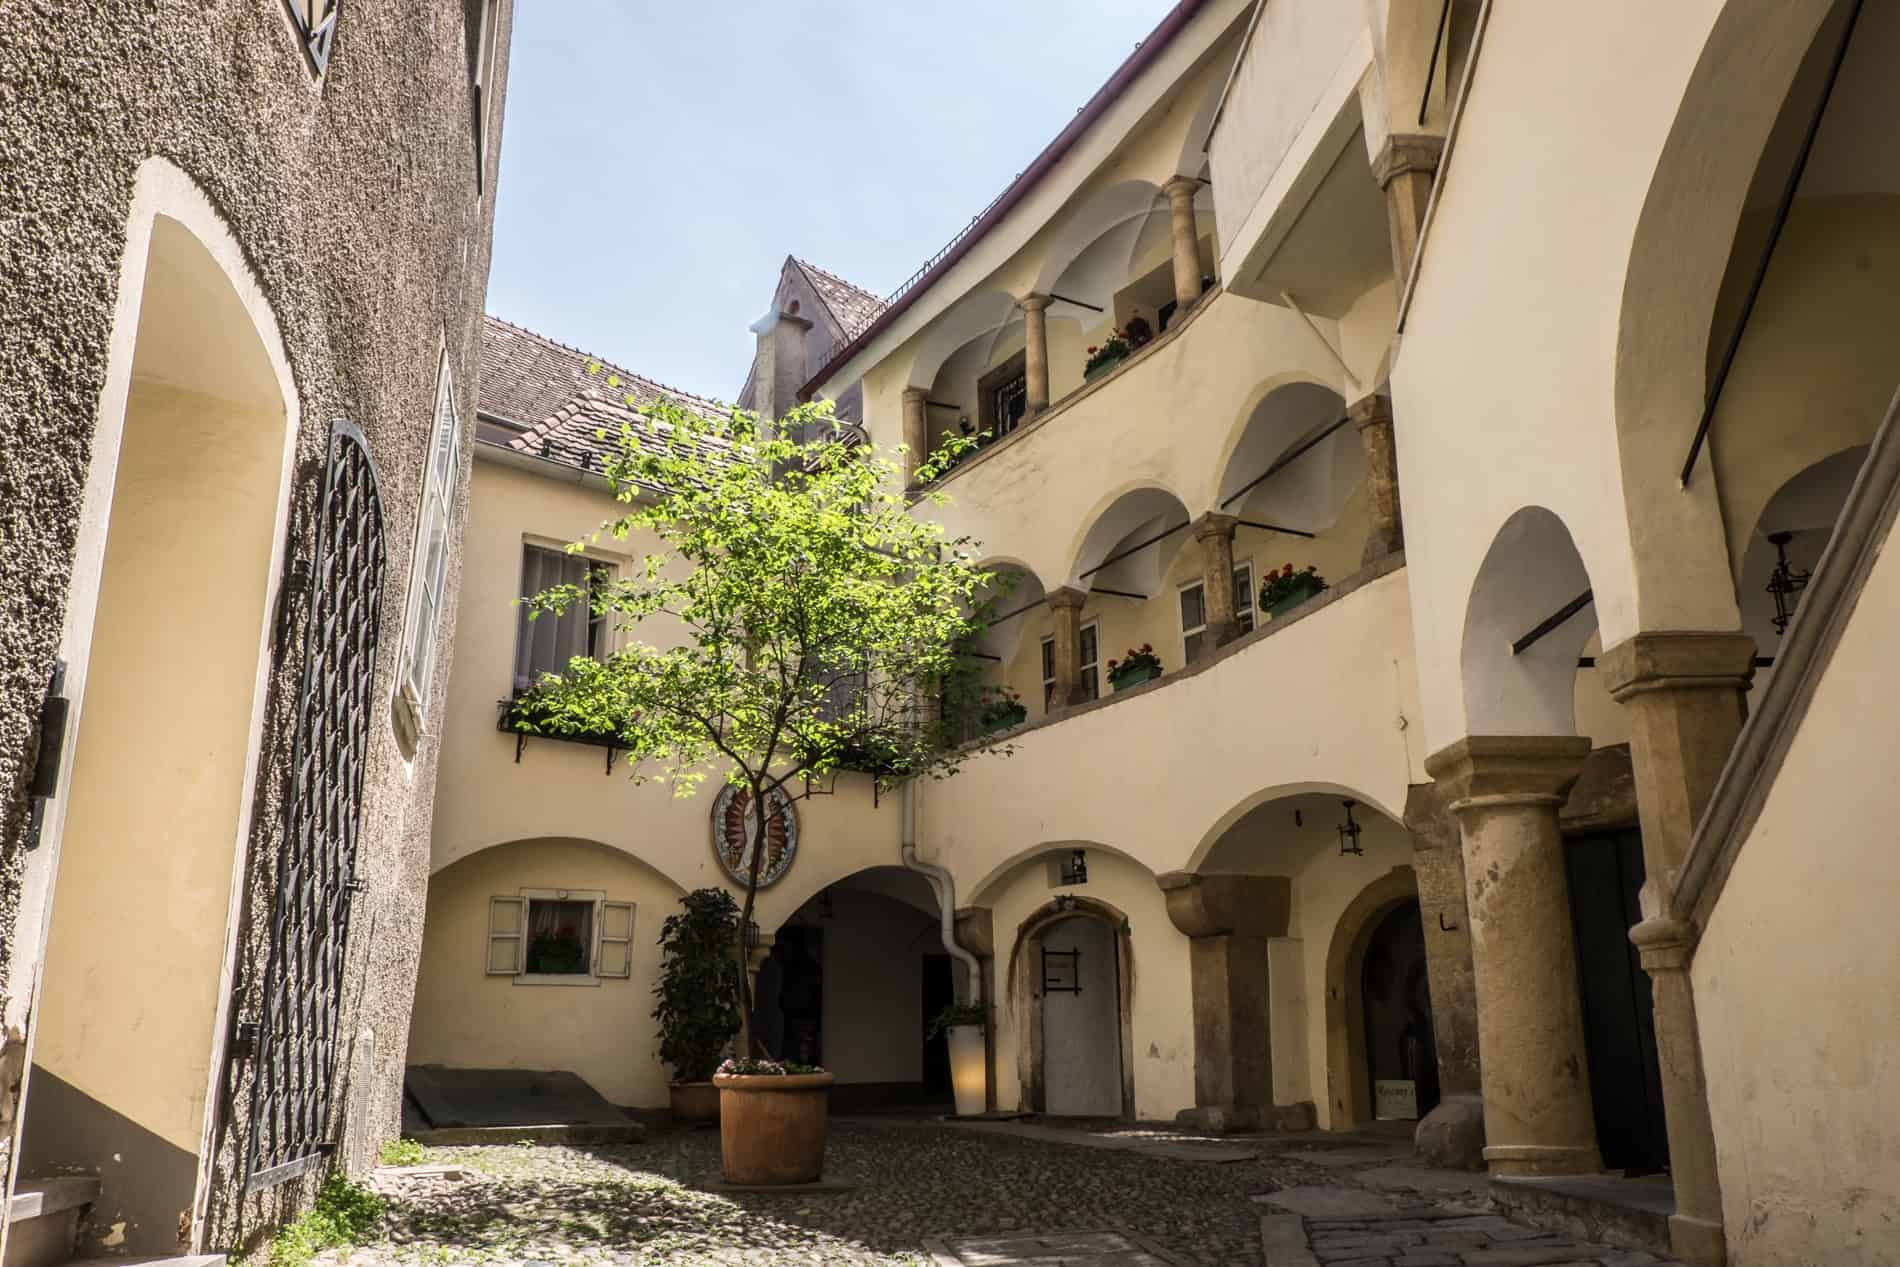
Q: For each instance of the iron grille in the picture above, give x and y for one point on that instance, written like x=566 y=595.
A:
x=295 y=1044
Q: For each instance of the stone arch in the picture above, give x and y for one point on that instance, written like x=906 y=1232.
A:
x=984 y=890
x=1115 y=207
x=175 y=577
x=1672 y=285
x=1198 y=859
x=1348 y=1082
x=981 y=314
x=1003 y=638
x=1309 y=492
x=1531 y=572
x=1120 y=520
x=1805 y=508
x=445 y=859
x=1024 y=995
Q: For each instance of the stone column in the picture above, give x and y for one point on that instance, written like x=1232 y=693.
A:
x=1453 y=1133
x=1035 y=353
x=1506 y=791
x=916 y=433
x=1187 y=241
x=1686 y=697
x=1065 y=605
x=1228 y=920
x=1373 y=419
x=1405 y=169
x=1215 y=533
x=975 y=930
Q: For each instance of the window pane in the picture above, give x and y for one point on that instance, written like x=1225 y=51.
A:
x=429 y=571
x=1193 y=609
x=1243 y=588
x=560 y=938
x=1048 y=659
x=1088 y=646
x=1193 y=642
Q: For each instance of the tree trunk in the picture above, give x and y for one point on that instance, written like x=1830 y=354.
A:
x=762 y=817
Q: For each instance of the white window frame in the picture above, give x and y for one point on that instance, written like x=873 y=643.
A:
x=441 y=476
x=1188 y=633
x=600 y=626
x=1047 y=664
x=520 y=904
x=1088 y=672
x=1245 y=615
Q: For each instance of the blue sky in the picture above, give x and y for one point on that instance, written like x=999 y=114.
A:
x=660 y=160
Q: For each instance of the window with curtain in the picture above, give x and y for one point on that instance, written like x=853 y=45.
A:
x=1090 y=658
x=545 y=643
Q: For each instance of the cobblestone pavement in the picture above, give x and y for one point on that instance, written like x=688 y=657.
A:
x=913 y=1186
x=1428 y=1236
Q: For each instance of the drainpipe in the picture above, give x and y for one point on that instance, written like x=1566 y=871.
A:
x=942 y=884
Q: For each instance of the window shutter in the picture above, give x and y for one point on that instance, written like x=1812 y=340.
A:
x=613 y=948
x=507 y=921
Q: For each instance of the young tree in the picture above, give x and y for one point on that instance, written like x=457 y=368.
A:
x=823 y=620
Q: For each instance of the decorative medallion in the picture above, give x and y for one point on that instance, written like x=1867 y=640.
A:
x=315 y=23
x=734 y=828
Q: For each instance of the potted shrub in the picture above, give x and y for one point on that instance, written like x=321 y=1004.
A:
x=1134 y=668
x=773 y=1118
x=1286 y=589
x=1004 y=709
x=963 y=1025
x=698 y=989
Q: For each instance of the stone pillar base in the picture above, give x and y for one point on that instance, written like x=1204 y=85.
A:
x=1542 y=1159
x=1697 y=1241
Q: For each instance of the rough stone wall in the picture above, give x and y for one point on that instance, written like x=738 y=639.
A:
x=356 y=203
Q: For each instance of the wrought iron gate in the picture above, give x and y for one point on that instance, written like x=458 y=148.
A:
x=295 y=1043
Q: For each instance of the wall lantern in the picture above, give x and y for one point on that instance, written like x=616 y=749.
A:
x=1784 y=582
x=1076 y=869
x=963 y=424
x=1349 y=833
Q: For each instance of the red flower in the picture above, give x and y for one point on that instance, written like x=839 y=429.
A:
x=1111 y=664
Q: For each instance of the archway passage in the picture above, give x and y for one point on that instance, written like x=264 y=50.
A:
x=140 y=934
x=853 y=980
x=1081 y=1019
x=1401 y=1057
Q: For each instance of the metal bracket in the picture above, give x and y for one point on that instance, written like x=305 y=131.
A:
x=249 y=1037
x=54 y=711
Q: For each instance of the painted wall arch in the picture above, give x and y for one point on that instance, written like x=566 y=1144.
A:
x=1121 y=521
x=1531 y=571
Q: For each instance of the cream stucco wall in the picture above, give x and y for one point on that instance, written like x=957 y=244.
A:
x=1797 y=978
x=1159 y=774
x=565 y=790
x=603 y=1031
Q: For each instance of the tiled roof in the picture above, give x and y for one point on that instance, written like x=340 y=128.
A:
x=572 y=435
x=854 y=307
x=527 y=378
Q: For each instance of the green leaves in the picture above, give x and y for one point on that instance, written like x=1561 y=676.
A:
x=795 y=616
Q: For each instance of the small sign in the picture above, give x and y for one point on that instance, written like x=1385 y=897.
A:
x=1395 y=1099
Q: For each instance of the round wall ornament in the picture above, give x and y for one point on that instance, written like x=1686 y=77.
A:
x=734 y=827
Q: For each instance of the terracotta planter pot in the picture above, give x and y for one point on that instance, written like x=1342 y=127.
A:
x=772 y=1129
x=693 y=1101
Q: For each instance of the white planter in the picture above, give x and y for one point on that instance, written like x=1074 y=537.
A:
x=967 y=1067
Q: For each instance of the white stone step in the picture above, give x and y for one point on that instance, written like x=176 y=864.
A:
x=43 y=1219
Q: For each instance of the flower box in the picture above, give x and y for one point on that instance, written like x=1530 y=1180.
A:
x=1003 y=718
x=1102 y=366
x=1305 y=585
x=1135 y=676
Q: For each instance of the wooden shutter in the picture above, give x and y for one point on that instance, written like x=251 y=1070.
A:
x=613 y=940
x=507 y=924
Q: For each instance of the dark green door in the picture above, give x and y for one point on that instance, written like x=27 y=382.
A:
x=1606 y=876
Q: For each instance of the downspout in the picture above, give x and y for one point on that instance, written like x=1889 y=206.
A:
x=942 y=884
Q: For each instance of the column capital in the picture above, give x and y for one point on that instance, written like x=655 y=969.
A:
x=1427 y=820
x=1677 y=660
x=1066 y=596
x=1664 y=945
x=915 y=394
x=1182 y=186
x=1371 y=411
x=1217 y=905
x=1494 y=771
x=1035 y=303
x=976 y=931
x=1214 y=524
x=1407 y=152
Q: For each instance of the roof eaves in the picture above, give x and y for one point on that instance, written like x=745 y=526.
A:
x=946 y=259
